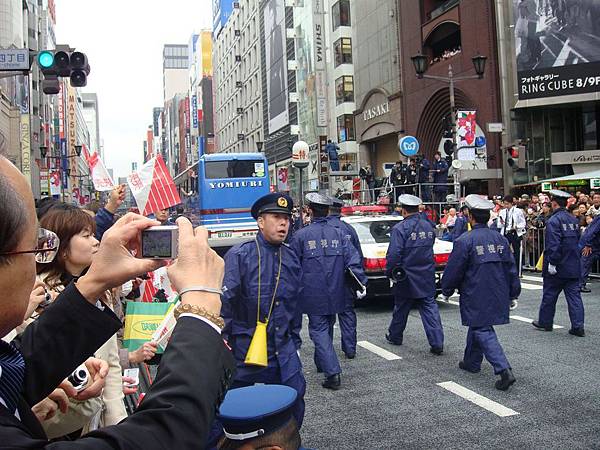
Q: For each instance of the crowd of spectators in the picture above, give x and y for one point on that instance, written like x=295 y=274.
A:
x=446 y=55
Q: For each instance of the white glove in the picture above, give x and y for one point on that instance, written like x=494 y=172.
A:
x=551 y=269
x=361 y=294
x=445 y=298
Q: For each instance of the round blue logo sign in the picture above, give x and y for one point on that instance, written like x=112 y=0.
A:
x=480 y=141
x=409 y=146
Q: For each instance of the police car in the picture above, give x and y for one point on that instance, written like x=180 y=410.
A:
x=374 y=232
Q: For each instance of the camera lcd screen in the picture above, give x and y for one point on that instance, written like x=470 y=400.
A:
x=156 y=244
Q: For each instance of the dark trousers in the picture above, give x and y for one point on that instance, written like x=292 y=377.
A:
x=586 y=265
x=320 y=330
x=482 y=341
x=515 y=243
x=439 y=196
x=430 y=316
x=348 y=330
x=553 y=285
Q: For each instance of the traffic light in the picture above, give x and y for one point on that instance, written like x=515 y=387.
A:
x=62 y=63
x=515 y=156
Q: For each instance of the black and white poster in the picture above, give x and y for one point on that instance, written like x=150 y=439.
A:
x=276 y=59
x=557 y=45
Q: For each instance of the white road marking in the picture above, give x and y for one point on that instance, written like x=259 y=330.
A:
x=525 y=319
x=479 y=400
x=378 y=350
x=532 y=278
x=531 y=287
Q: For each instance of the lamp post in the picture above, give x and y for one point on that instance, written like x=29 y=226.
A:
x=300 y=160
x=259 y=146
x=421 y=63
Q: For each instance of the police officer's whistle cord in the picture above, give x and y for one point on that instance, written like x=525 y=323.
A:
x=259 y=284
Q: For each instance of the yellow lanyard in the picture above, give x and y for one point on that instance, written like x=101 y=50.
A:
x=259 y=284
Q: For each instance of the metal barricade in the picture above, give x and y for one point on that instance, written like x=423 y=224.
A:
x=533 y=247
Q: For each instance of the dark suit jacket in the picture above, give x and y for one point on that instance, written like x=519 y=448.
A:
x=177 y=411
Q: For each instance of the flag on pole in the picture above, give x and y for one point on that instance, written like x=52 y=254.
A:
x=100 y=176
x=152 y=187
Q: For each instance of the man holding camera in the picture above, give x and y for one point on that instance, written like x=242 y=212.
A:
x=177 y=408
x=411 y=267
x=512 y=225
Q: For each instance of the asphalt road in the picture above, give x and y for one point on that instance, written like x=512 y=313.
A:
x=397 y=403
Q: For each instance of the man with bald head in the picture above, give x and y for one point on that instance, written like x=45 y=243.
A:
x=177 y=407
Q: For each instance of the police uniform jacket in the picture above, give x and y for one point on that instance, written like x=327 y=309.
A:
x=561 y=245
x=411 y=248
x=442 y=176
x=325 y=254
x=591 y=235
x=240 y=302
x=482 y=268
x=460 y=227
x=349 y=232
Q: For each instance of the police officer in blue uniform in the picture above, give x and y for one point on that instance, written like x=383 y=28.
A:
x=411 y=266
x=348 y=317
x=562 y=266
x=461 y=225
x=259 y=417
x=440 y=178
x=482 y=268
x=262 y=282
x=589 y=245
x=325 y=255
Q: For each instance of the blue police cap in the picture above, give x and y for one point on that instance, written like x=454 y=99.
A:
x=559 y=194
x=273 y=203
x=257 y=410
x=409 y=200
x=336 y=202
x=474 y=201
x=318 y=199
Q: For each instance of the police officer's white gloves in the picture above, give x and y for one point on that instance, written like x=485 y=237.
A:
x=445 y=298
x=361 y=294
x=513 y=304
x=551 y=269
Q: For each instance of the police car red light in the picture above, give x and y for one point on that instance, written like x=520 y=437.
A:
x=441 y=259
x=374 y=264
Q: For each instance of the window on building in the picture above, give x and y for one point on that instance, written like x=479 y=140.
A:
x=343 y=51
x=344 y=89
x=345 y=128
x=340 y=14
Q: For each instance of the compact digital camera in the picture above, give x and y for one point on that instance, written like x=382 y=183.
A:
x=160 y=242
x=79 y=378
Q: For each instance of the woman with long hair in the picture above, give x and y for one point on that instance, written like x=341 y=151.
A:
x=75 y=229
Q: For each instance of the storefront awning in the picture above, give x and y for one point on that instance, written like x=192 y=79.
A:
x=577 y=176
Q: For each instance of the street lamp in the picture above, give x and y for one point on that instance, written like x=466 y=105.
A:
x=78 y=150
x=420 y=62
x=259 y=146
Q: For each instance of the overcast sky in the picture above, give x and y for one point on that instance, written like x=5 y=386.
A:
x=123 y=41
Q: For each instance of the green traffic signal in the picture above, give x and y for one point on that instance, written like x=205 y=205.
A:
x=45 y=59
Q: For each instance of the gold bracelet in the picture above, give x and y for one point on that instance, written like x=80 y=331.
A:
x=186 y=308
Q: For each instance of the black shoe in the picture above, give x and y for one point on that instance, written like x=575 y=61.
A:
x=437 y=350
x=585 y=290
x=577 y=332
x=350 y=355
x=333 y=382
x=463 y=366
x=541 y=327
x=506 y=380
x=389 y=339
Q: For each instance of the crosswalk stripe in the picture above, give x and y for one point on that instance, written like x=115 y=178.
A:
x=479 y=400
x=378 y=350
x=525 y=319
x=531 y=287
x=532 y=278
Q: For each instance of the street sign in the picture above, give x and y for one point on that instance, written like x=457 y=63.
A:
x=495 y=127
x=16 y=59
x=546 y=187
x=480 y=141
x=595 y=183
x=409 y=146
x=300 y=155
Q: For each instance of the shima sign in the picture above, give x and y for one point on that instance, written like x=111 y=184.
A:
x=557 y=47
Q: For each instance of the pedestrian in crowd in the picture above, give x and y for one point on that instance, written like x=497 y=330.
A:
x=261 y=288
x=562 y=267
x=426 y=213
x=325 y=256
x=594 y=210
x=259 y=417
x=440 y=178
x=461 y=225
x=544 y=215
x=589 y=245
x=75 y=230
x=105 y=217
x=512 y=225
x=484 y=272
x=77 y=324
x=411 y=176
x=367 y=175
x=410 y=265
x=332 y=152
x=397 y=179
x=348 y=317
x=162 y=215
x=425 y=188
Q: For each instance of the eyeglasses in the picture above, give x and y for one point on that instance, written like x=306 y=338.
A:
x=47 y=247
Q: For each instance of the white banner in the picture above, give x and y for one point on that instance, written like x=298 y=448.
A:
x=100 y=176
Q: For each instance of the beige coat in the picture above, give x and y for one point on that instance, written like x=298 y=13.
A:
x=108 y=409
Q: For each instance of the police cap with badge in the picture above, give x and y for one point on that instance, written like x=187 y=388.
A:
x=276 y=203
x=409 y=200
x=474 y=201
x=254 y=411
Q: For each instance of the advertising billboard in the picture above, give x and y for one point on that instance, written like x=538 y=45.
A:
x=556 y=47
x=221 y=11
x=276 y=65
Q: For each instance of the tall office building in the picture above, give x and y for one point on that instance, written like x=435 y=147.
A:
x=92 y=120
x=175 y=70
